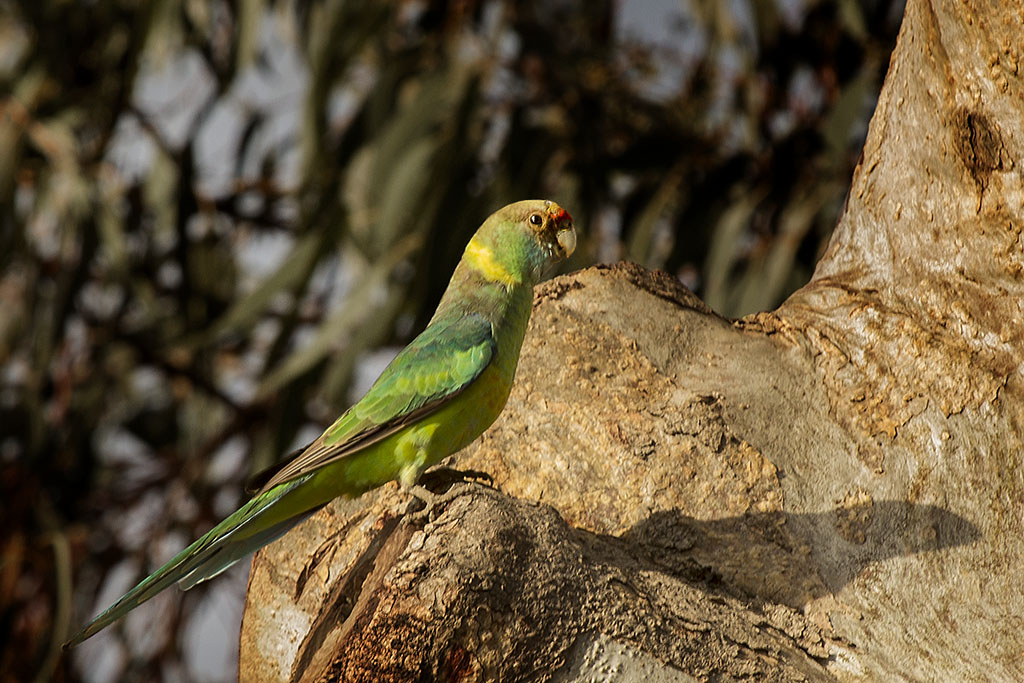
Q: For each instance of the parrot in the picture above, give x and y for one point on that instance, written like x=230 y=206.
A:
x=436 y=397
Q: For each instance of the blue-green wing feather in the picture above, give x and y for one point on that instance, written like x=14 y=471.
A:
x=434 y=368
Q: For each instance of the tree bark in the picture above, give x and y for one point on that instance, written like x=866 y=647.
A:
x=832 y=490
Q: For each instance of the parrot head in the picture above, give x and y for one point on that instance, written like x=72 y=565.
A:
x=548 y=232
x=553 y=228
x=518 y=242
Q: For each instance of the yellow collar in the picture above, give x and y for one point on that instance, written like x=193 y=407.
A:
x=481 y=259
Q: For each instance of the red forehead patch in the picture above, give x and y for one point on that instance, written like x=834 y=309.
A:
x=562 y=215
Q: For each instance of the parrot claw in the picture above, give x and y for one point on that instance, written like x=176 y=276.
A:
x=439 y=477
x=424 y=494
x=433 y=502
x=447 y=480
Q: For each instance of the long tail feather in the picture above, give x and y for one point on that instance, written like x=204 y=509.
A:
x=227 y=555
x=214 y=552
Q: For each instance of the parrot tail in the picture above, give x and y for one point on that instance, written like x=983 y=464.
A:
x=215 y=551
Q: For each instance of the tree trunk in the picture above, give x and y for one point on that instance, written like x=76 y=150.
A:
x=832 y=490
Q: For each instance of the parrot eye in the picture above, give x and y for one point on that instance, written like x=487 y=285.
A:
x=535 y=219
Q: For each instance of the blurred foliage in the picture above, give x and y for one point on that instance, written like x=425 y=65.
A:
x=214 y=214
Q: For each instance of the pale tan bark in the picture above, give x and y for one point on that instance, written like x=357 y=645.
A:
x=830 y=490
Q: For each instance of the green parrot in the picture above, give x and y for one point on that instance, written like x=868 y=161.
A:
x=438 y=395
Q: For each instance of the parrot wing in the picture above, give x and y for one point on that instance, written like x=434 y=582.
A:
x=432 y=370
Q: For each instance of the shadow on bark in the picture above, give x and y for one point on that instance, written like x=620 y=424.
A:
x=867 y=534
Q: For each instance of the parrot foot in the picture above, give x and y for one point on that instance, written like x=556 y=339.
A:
x=433 y=501
x=447 y=477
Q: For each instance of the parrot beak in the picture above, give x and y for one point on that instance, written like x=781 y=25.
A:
x=567 y=241
x=565 y=234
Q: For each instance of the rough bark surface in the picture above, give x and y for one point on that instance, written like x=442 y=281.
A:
x=832 y=490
